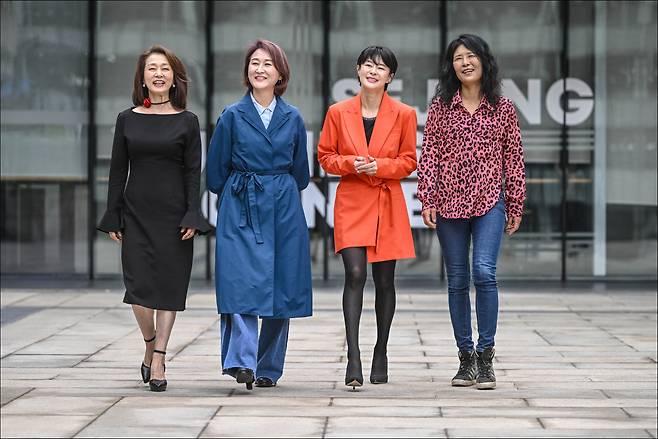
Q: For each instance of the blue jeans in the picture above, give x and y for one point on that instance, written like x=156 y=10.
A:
x=455 y=238
x=243 y=346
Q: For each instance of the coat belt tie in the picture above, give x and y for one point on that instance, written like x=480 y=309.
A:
x=245 y=187
x=384 y=204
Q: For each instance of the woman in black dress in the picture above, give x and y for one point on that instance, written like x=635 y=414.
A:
x=153 y=206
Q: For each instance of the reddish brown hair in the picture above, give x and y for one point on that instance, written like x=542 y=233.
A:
x=177 y=95
x=279 y=59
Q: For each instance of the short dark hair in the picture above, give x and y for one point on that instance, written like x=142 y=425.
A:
x=376 y=53
x=177 y=95
x=448 y=81
x=279 y=59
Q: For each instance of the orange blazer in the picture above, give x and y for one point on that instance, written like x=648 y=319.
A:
x=371 y=211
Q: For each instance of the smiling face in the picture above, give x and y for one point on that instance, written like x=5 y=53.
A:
x=158 y=74
x=374 y=74
x=261 y=72
x=467 y=65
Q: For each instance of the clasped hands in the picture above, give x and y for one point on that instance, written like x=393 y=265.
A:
x=188 y=232
x=365 y=165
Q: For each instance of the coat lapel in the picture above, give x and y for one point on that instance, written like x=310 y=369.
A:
x=386 y=117
x=354 y=123
x=280 y=115
x=249 y=113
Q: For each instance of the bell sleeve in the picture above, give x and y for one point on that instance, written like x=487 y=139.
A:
x=193 y=217
x=112 y=220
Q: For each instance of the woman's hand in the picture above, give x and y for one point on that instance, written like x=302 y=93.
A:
x=366 y=166
x=512 y=225
x=358 y=162
x=187 y=233
x=429 y=218
x=116 y=236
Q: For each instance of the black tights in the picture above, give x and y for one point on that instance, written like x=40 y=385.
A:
x=383 y=273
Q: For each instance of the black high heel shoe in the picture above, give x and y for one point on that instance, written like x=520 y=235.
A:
x=158 y=385
x=146 y=370
x=353 y=374
x=264 y=382
x=245 y=376
x=379 y=369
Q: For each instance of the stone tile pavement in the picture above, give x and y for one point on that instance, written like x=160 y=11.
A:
x=571 y=362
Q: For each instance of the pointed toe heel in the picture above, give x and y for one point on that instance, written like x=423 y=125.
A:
x=379 y=369
x=379 y=379
x=158 y=385
x=245 y=376
x=353 y=382
x=144 y=369
x=146 y=373
x=353 y=374
x=264 y=382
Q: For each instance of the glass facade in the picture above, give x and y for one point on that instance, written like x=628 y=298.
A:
x=44 y=137
x=582 y=75
x=625 y=63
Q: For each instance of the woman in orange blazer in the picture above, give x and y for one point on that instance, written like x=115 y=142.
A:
x=370 y=141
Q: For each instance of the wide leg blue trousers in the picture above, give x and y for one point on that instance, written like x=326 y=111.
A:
x=242 y=346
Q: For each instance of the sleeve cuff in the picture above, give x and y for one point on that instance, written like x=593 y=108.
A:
x=514 y=210
x=194 y=219
x=425 y=206
x=112 y=221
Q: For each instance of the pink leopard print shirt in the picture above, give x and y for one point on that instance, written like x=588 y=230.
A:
x=464 y=159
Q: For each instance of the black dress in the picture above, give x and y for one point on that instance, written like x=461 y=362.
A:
x=152 y=193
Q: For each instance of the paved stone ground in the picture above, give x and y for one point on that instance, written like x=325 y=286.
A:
x=575 y=362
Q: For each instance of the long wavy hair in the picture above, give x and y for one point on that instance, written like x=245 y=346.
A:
x=448 y=81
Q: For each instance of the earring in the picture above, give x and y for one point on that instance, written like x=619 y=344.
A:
x=173 y=85
x=278 y=82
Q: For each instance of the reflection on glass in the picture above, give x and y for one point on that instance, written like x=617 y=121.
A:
x=630 y=129
x=44 y=137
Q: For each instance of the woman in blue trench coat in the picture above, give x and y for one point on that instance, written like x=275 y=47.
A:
x=258 y=165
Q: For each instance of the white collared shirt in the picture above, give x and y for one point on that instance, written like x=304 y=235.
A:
x=265 y=113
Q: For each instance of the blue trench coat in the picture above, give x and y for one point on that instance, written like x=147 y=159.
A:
x=263 y=264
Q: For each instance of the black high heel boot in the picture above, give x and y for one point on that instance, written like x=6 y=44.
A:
x=245 y=376
x=353 y=373
x=146 y=370
x=379 y=369
x=158 y=385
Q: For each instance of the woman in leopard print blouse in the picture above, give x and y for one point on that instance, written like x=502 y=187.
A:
x=471 y=183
